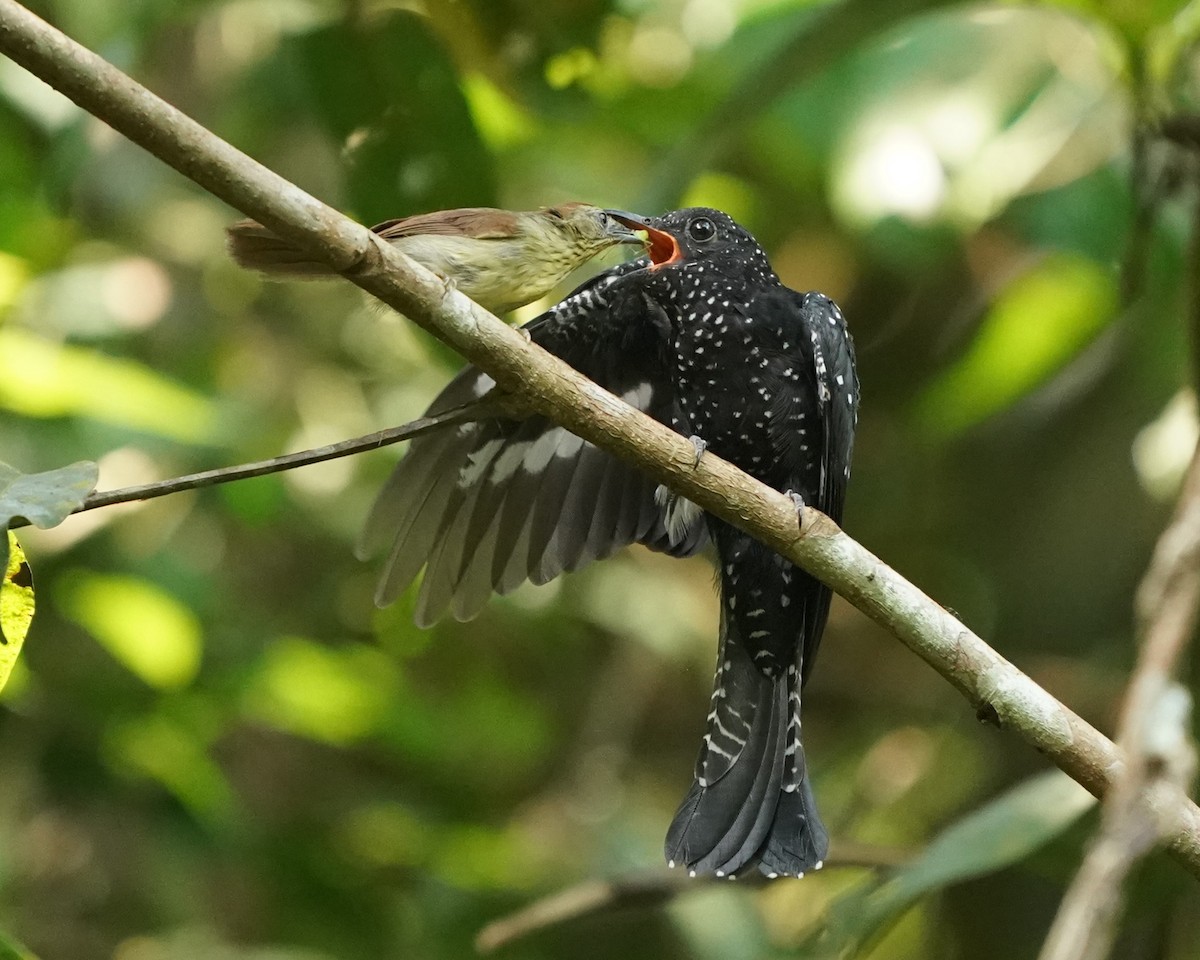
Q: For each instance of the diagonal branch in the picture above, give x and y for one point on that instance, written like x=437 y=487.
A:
x=1154 y=731
x=996 y=688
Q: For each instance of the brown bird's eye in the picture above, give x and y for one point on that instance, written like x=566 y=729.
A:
x=702 y=230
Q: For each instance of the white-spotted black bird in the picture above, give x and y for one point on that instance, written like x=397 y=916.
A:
x=703 y=336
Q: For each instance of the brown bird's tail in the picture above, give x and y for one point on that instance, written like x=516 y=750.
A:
x=253 y=246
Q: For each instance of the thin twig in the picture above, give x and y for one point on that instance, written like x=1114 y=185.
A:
x=343 y=448
x=289 y=461
x=1153 y=733
x=648 y=889
x=993 y=686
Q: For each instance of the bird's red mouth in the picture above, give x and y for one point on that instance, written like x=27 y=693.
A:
x=662 y=248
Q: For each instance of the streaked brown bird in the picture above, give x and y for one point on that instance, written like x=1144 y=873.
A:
x=501 y=259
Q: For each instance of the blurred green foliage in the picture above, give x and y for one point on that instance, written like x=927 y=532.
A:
x=215 y=747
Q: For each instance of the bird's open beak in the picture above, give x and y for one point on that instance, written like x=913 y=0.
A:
x=662 y=247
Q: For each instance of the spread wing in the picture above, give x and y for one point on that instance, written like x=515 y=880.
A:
x=487 y=505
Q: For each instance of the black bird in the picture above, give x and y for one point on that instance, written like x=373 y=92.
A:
x=703 y=336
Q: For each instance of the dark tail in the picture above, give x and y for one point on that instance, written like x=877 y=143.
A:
x=751 y=803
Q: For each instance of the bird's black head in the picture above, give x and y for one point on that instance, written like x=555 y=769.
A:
x=696 y=235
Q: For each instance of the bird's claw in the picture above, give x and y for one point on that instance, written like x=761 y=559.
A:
x=699 y=444
x=799 y=504
x=524 y=331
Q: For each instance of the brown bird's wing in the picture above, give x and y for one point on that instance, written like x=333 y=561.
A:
x=487 y=505
x=255 y=247
x=483 y=223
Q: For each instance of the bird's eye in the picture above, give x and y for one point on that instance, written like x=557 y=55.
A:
x=702 y=230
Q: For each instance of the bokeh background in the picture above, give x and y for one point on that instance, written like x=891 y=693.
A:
x=216 y=747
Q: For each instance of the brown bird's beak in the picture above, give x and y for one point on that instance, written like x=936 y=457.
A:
x=619 y=232
x=662 y=247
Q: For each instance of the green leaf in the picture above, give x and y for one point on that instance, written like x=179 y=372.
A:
x=997 y=835
x=172 y=748
x=44 y=499
x=337 y=695
x=150 y=632
x=10 y=950
x=16 y=607
x=1132 y=19
x=388 y=93
x=1038 y=324
x=41 y=378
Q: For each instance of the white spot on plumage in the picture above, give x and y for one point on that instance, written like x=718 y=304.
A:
x=479 y=460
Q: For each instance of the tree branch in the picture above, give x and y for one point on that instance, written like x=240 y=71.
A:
x=648 y=889
x=994 y=686
x=1154 y=733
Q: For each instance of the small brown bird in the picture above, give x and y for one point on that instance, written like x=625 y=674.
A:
x=501 y=259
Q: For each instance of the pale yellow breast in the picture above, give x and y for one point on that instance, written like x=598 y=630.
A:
x=498 y=274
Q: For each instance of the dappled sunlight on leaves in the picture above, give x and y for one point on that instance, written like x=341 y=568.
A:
x=146 y=629
x=172 y=752
x=1164 y=447
x=14 y=273
x=335 y=695
x=13 y=951
x=387 y=835
x=39 y=378
x=1034 y=328
x=961 y=149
